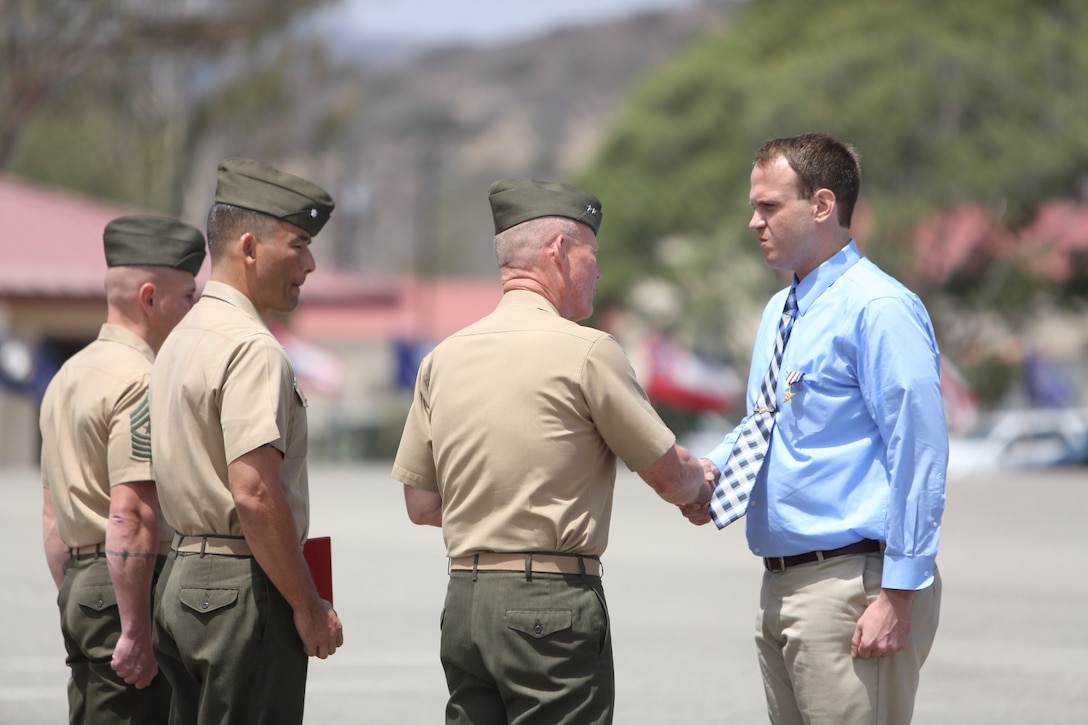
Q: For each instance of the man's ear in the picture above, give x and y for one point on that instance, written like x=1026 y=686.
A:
x=248 y=243
x=824 y=200
x=557 y=250
x=146 y=296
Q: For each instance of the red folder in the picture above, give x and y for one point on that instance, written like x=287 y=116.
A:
x=318 y=554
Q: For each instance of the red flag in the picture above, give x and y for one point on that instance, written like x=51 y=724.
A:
x=684 y=380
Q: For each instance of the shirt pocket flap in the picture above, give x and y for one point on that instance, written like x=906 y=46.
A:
x=97 y=598
x=538 y=622
x=208 y=600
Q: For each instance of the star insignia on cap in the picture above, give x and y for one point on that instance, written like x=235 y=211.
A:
x=591 y=209
x=313 y=213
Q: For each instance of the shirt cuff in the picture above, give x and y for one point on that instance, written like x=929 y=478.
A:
x=908 y=572
x=720 y=454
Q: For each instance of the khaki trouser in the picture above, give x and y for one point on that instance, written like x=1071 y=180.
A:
x=91 y=625
x=527 y=652
x=227 y=641
x=806 y=620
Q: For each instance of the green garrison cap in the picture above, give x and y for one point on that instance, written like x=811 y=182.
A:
x=514 y=201
x=153 y=240
x=256 y=186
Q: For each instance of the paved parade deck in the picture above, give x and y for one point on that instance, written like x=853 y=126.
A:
x=1010 y=649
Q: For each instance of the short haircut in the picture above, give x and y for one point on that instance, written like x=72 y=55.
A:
x=227 y=222
x=821 y=161
x=518 y=246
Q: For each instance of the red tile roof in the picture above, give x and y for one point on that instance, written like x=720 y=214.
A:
x=52 y=241
x=52 y=248
x=418 y=309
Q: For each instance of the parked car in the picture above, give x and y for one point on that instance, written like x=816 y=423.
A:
x=1033 y=438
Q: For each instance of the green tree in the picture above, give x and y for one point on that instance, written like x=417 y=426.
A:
x=946 y=102
x=102 y=95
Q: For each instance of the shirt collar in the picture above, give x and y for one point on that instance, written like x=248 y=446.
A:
x=230 y=295
x=527 y=297
x=126 y=337
x=820 y=279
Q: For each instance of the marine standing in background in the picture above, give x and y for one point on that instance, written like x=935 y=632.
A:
x=103 y=541
x=845 y=508
x=510 y=446
x=237 y=613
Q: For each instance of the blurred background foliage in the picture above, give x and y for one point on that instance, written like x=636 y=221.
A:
x=948 y=103
x=112 y=98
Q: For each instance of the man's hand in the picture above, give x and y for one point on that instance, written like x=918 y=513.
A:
x=697 y=512
x=269 y=528
x=320 y=630
x=134 y=660
x=132 y=535
x=884 y=626
x=710 y=471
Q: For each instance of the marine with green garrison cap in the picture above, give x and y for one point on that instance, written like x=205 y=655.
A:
x=103 y=540
x=517 y=425
x=237 y=612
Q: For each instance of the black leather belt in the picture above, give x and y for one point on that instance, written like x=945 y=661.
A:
x=781 y=563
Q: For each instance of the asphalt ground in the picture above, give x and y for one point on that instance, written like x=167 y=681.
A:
x=1011 y=646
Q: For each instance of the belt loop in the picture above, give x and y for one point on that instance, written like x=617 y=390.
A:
x=528 y=567
x=475 y=561
x=203 y=545
x=582 y=564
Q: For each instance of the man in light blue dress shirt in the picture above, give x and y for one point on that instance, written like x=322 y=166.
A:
x=846 y=508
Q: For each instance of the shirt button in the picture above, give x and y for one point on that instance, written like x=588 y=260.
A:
x=928 y=573
x=538 y=627
x=755 y=550
x=204 y=605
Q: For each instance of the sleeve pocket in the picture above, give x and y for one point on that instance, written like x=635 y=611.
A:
x=97 y=599
x=204 y=601
x=538 y=622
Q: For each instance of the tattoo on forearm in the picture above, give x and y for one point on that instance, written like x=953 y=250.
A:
x=125 y=554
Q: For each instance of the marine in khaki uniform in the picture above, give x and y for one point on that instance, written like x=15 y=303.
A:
x=237 y=611
x=103 y=540
x=511 y=446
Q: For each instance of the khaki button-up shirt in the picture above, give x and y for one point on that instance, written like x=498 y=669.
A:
x=95 y=431
x=517 y=422
x=222 y=386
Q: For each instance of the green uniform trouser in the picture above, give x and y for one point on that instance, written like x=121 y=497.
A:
x=527 y=651
x=91 y=624
x=227 y=641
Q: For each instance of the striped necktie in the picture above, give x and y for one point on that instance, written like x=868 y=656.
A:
x=730 y=499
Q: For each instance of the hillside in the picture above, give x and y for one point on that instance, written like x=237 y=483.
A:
x=427 y=136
